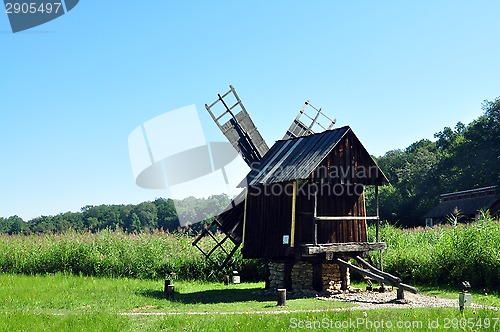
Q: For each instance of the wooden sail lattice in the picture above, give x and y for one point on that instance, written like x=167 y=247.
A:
x=299 y=126
x=238 y=128
x=221 y=245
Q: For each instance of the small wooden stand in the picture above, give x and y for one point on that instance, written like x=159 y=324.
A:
x=281 y=297
x=168 y=290
x=167 y=283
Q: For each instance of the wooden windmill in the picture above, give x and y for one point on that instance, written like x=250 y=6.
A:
x=302 y=209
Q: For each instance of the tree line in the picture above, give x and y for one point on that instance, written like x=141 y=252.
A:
x=462 y=158
x=159 y=214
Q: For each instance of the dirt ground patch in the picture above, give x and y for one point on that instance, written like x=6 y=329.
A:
x=387 y=299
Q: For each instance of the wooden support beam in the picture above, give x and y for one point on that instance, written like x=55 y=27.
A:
x=343 y=278
x=325 y=218
x=315 y=222
x=245 y=217
x=377 y=233
x=359 y=270
x=376 y=276
x=386 y=275
x=344 y=247
x=409 y=288
x=294 y=202
x=377 y=227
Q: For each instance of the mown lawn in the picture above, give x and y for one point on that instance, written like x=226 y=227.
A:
x=78 y=303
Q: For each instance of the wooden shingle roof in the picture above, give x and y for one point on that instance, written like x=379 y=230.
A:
x=298 y=158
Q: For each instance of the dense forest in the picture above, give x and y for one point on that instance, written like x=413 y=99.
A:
x=465 y=157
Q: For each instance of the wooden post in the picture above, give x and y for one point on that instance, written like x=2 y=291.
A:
x=317 y=281
x=314 y=217
x=400 y=294
x=167 y=283
x=268 y=275
x=244 y=217
x=281 y=297
x=377 y=213
x=170 y=291
x=226 y=279
x=287 y=274
x=294 y=202
x=343 y=278
x=378 y=226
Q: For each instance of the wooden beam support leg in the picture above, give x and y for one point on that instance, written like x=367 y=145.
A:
x=343 y=277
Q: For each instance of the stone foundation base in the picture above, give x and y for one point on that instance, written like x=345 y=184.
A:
x=307 y=275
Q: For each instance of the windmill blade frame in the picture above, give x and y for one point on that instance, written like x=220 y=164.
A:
x=239 y=129
x=299 y=128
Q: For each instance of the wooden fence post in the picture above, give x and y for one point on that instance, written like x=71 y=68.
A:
x=170 y=291
x=282 y=297
x=167 y=283
x=400 y=294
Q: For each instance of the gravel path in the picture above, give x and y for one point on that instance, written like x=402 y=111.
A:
x=374 y=300
x=364 y=300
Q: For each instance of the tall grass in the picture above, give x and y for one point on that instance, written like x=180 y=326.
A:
x=444 y=255
x=115 y=254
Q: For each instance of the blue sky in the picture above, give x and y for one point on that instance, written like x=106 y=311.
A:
x=73 y=89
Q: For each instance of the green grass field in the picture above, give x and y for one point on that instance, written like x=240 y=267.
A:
x=78 y=303
x=111 y=281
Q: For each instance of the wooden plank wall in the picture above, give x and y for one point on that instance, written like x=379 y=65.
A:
x=329 y=204
x=341 y=231
x=349 y=157
x=268 y=218
x=337 y=170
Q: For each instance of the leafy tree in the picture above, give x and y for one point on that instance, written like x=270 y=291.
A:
x=465 y=157
x=42 y=225
x=17 y=226
x=4 y=225
x=167 y=216
x=135 y=223
x=148 y=215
